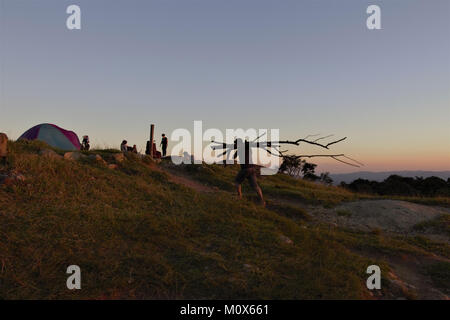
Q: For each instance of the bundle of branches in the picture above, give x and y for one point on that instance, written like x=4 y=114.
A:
x=270 y=146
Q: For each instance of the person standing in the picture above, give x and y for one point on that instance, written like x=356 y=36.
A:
x=163 y=144
x=85 y=144
x=3 y=148
x=248 y=170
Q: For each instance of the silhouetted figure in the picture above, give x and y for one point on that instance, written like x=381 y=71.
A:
x=134 y=149
x=147 y=148
x=163 y=144
x=85 y=143
x=123 y=146
x=3 y=148
x=248 y=170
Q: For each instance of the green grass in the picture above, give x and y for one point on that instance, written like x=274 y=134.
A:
x=439 y=248
x=134 y=234
x=284 y=186
x=279 y=185
x=289 y=211
x=137 y=235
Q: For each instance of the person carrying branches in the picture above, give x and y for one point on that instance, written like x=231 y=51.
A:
x=243 y=151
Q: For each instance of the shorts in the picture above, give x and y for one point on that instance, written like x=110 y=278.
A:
x=249 y=174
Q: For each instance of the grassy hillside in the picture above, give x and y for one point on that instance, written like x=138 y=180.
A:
x=136 y=234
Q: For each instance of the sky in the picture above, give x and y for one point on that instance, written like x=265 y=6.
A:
x=303 y=67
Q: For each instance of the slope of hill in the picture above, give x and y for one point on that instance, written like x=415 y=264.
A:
x=145 y=230
x=380 y=176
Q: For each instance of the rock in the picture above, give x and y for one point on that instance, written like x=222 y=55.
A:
x=95 y=157
x=73 y=156
x=112 y=166
x=50 y=154
x=11 y=178
x=98 y=158
x=119 y=157
x=285 y=239
x=19 y=177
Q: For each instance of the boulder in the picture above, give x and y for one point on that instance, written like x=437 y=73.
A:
x=73 y=156
x=50 y=154
x=119 y=157
x=285 y=239
x=11 y=178
x=98 y=158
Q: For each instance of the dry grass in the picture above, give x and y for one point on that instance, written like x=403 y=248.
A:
x=136 y=235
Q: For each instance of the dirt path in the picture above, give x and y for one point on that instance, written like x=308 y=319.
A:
x=409 y=272
x=185 y=180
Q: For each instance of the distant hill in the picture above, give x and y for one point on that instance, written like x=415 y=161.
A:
x=380 y=176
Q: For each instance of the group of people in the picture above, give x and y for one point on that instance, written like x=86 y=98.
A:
x=149 y=150
x=85 y=146
x=125 y=148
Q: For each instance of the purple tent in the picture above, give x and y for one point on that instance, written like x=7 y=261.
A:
x=54 y=136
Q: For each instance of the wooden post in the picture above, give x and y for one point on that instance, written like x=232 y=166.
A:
x=152 y=132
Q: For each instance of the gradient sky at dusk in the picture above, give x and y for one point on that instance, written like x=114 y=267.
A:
x=304 y=67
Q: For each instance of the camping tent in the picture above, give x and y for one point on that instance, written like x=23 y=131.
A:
x=54 y=136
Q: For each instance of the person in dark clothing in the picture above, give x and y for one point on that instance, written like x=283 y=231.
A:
x=163 y=144
x=147 y=148
x=248 y=170
x=85 y=143
x=3 y=148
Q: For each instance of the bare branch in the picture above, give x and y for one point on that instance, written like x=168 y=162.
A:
x=313 y=142
x=330 y=135
x=361 y=164
x=333 y=156
x=350 y=164
x=311 y=135
x=325 y=146
x=277 y=144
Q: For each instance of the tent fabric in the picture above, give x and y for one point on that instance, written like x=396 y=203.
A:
x=54 y=136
